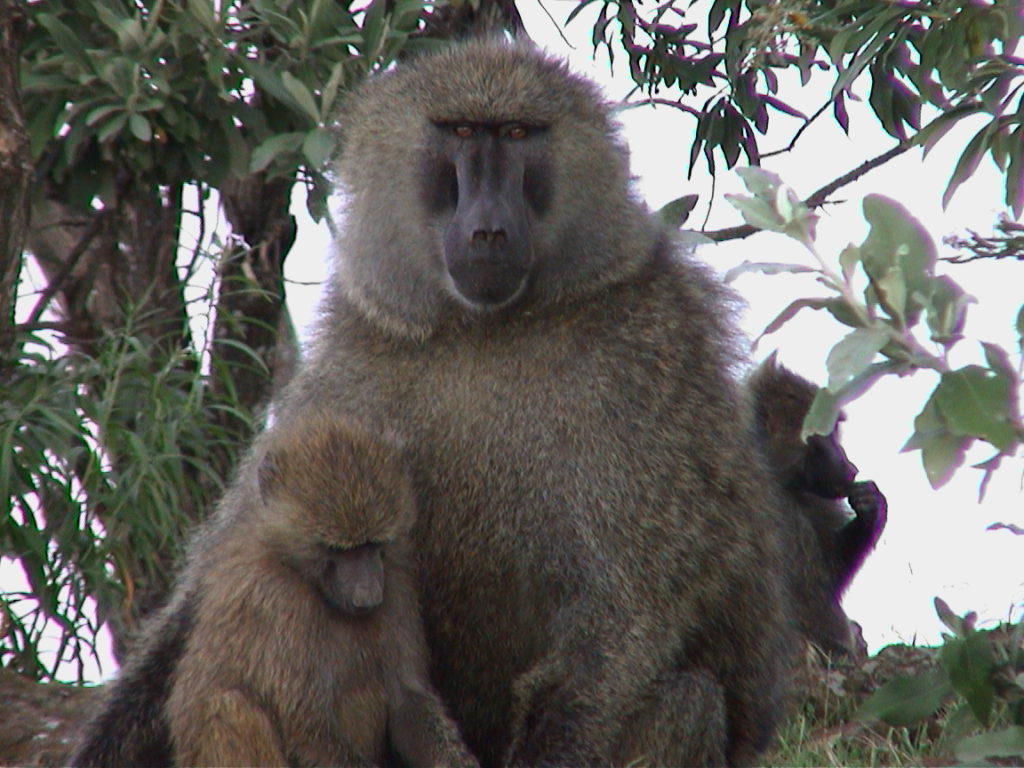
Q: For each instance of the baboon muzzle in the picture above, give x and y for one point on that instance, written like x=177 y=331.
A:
x=487 y=245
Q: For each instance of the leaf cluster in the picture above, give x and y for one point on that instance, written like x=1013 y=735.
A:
x=887 y=291
x=107 y=462
x=195 y=89
x=958 y=58
x=983 y=672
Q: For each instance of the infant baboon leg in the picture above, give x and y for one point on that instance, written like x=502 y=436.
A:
x=230 y=730
x=681 y=723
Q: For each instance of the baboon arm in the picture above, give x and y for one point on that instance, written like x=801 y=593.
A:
x=422 y=734
x=420 y=731
x=856 y=539
x=229 y=730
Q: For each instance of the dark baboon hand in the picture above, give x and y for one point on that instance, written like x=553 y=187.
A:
x=870 y=505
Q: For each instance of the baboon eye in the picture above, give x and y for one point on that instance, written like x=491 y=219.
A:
x=517 y=132
x=464 y=131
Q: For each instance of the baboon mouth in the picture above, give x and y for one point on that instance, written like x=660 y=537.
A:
x=488 y=285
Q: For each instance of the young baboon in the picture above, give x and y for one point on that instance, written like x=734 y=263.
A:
x=599 y=540
x=306 y=646
x=816 y=475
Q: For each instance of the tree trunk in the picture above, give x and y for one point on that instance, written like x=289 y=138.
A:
x=15 y=169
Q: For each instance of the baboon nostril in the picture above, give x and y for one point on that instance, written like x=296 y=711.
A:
x=493 y=236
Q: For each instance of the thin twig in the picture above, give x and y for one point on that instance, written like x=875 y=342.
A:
x=72 y=261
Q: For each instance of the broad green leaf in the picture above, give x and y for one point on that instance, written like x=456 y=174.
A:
x=898 y=241
x=907 y=700
x=891 y=292
x=757 y=212
x=317 y=147
x=140 y=127
x=853 y=354
x=759 y=181
x=674 y=214
x=969 y=663
x=1007 y=743
x=822 y=415
x=266 y=152
x=941 y=456
x=976 y=402
x=300 y=95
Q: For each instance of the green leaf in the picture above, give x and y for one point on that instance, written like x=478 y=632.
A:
x=67 y=41
x=969 y=663
x=301 y=95
x=907 y=700
x=976 y=402
x=1007 y=743
x=947 y=310
x=675 y=213
x=766 y=268
x=317 y=147
x=790 y=311
x=270 y=149
x=853 y=355
x=968 y=162
x=757 y=212
x=822 y=415
x=897 y=241
x=140 y=127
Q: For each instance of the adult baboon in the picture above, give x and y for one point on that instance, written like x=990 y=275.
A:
x=599 y=541
x=828 y=545
x=306 y=646
x=595 y=516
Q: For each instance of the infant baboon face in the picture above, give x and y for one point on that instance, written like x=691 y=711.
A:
x=352 y=580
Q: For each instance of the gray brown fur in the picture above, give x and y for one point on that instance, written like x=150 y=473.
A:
x=828 y=541
x=594 y=514
x=273 y=673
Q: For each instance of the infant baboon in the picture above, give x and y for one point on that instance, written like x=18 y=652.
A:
x=816 y=475
x=306 y=646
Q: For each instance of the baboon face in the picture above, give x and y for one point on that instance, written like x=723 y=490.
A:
x=482 y=179
x=352 y=580
x=826 y=471
x=485 y=180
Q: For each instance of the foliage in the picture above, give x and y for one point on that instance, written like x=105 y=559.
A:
x=983 y=670
x=954 y=57
x=106 y=461
x=211 y=90
x=888 y=292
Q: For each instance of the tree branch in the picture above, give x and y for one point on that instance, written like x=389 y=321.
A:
x=818 y=198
